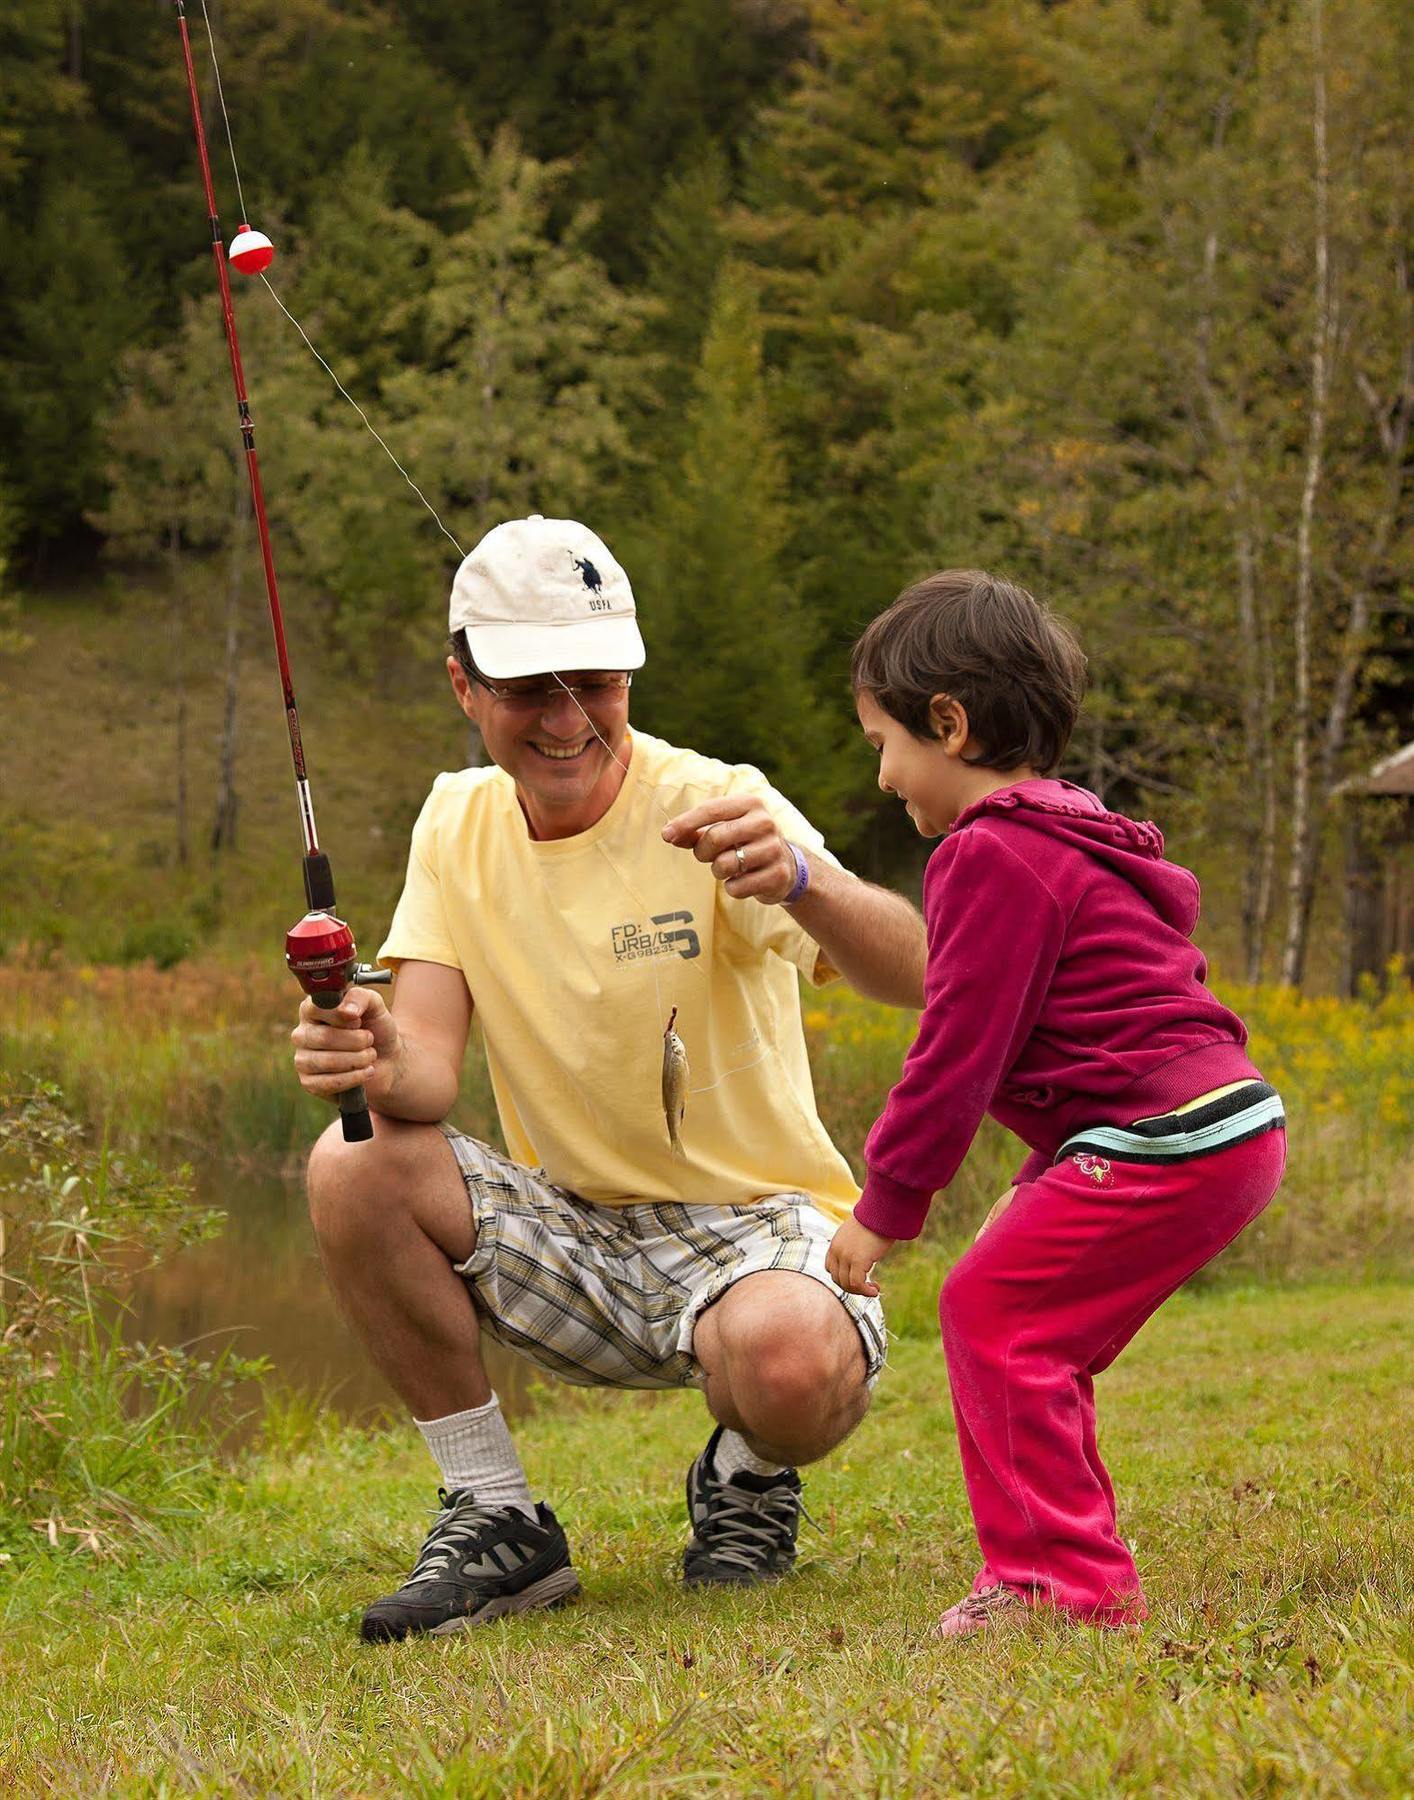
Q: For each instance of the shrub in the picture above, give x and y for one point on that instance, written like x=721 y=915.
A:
x=99 y=1438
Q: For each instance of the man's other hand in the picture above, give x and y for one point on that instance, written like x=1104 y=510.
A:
x=743 y=844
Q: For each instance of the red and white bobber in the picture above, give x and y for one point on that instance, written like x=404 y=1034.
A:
x=251 y=251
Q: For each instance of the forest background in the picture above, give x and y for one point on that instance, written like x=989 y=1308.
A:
x=792 y=301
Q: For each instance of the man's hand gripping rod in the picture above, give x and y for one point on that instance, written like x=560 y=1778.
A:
x=323 y=958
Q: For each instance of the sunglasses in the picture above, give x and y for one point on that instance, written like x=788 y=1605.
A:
x=537 y=695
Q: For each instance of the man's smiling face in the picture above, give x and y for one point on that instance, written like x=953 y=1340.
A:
x=565 y=751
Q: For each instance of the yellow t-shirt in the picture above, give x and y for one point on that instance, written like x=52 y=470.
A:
x=576 y=950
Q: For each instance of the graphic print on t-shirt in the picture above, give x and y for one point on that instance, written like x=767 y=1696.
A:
x=633 y=942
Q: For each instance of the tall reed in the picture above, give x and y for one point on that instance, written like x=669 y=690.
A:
x=101 y=1438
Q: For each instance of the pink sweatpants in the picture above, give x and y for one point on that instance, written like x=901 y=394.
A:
x=1046 y=1298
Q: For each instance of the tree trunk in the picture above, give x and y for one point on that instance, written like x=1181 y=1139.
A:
x=223 y=827
x=1267 y=839
x=1258 y=698
x=1391 y=418
x=1362 y=908
x=179 y=676
x=1258 y=714
x=1392 y=426
x=1306 y=810
x=1096 y=778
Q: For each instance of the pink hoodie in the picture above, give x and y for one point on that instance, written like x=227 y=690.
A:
x=1062 y=992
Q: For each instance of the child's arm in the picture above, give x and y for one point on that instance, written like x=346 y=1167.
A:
x=995 y=934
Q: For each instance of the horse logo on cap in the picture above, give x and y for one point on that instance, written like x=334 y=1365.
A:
x=593 y=580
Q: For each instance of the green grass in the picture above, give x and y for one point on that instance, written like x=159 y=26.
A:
x=88 y=773
x=1260 y=1442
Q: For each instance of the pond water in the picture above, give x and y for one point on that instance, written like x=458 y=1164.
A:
x=259 y=1287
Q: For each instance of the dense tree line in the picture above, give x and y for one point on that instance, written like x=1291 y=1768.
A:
x=794 y=299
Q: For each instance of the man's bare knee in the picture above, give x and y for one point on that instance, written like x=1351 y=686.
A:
x=791 y=1361
x=794 y=1373
x=360 y=1193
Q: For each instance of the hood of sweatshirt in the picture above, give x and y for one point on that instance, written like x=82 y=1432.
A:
x=1075 y=817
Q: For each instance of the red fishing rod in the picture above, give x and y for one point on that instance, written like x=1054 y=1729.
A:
x=320 y=950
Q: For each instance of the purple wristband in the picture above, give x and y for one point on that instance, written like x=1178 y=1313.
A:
x=802 y=876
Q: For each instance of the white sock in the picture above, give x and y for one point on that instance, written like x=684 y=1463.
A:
x=734 y=1455
x=474 y=1449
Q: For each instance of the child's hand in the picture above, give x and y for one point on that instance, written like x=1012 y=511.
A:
x=998 y=1208
x=852 y=1254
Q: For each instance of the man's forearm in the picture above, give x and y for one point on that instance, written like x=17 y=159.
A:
x=876 y=940
x=415 y=1084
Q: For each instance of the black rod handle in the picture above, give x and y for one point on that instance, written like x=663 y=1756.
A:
x=358 y=1126
x=353 y=1102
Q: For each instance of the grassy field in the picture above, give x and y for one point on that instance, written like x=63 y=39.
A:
x=1261 y=1446
x=178 y=1622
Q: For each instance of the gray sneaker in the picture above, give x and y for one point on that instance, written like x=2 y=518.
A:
x=478 y=1563
x=743 y=1529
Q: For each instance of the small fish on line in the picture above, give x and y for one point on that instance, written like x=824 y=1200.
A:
x=674 y=1081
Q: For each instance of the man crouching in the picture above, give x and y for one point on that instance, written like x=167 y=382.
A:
x=572 y=895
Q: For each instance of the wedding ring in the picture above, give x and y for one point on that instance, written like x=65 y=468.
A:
x=740 y=860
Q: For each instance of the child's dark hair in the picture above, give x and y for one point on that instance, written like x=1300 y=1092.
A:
x=989 y=645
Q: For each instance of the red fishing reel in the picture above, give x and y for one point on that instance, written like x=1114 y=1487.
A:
x=322 y=956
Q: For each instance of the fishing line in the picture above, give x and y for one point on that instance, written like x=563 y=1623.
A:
x=309 y=343
x=226 y=117
x=265 y=280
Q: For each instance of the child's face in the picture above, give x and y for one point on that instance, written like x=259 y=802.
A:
x=929 y=776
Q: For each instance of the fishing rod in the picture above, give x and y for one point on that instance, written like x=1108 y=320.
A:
x=319 y=950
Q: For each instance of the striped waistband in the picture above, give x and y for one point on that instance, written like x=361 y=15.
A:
x=1179 y=1137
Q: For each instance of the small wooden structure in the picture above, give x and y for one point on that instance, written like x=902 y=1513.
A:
x=1379 y=868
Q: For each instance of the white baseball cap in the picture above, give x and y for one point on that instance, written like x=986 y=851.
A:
x=541 y=594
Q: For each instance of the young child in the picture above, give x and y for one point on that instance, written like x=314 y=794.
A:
x=1062 y=996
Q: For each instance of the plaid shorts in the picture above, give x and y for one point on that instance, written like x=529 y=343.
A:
x=608 y=1296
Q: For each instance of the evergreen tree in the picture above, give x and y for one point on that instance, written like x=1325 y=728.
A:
x=729 y=643
x=174 y=473
x=896 y=119
x=36 y=95
x=67 y=314
x=359 y=541
x=12 y=637
x=172 y=438
x=629 y=92
x=687 y=245
x=495 y=359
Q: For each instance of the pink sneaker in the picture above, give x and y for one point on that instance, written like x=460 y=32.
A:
x=978 y=1611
